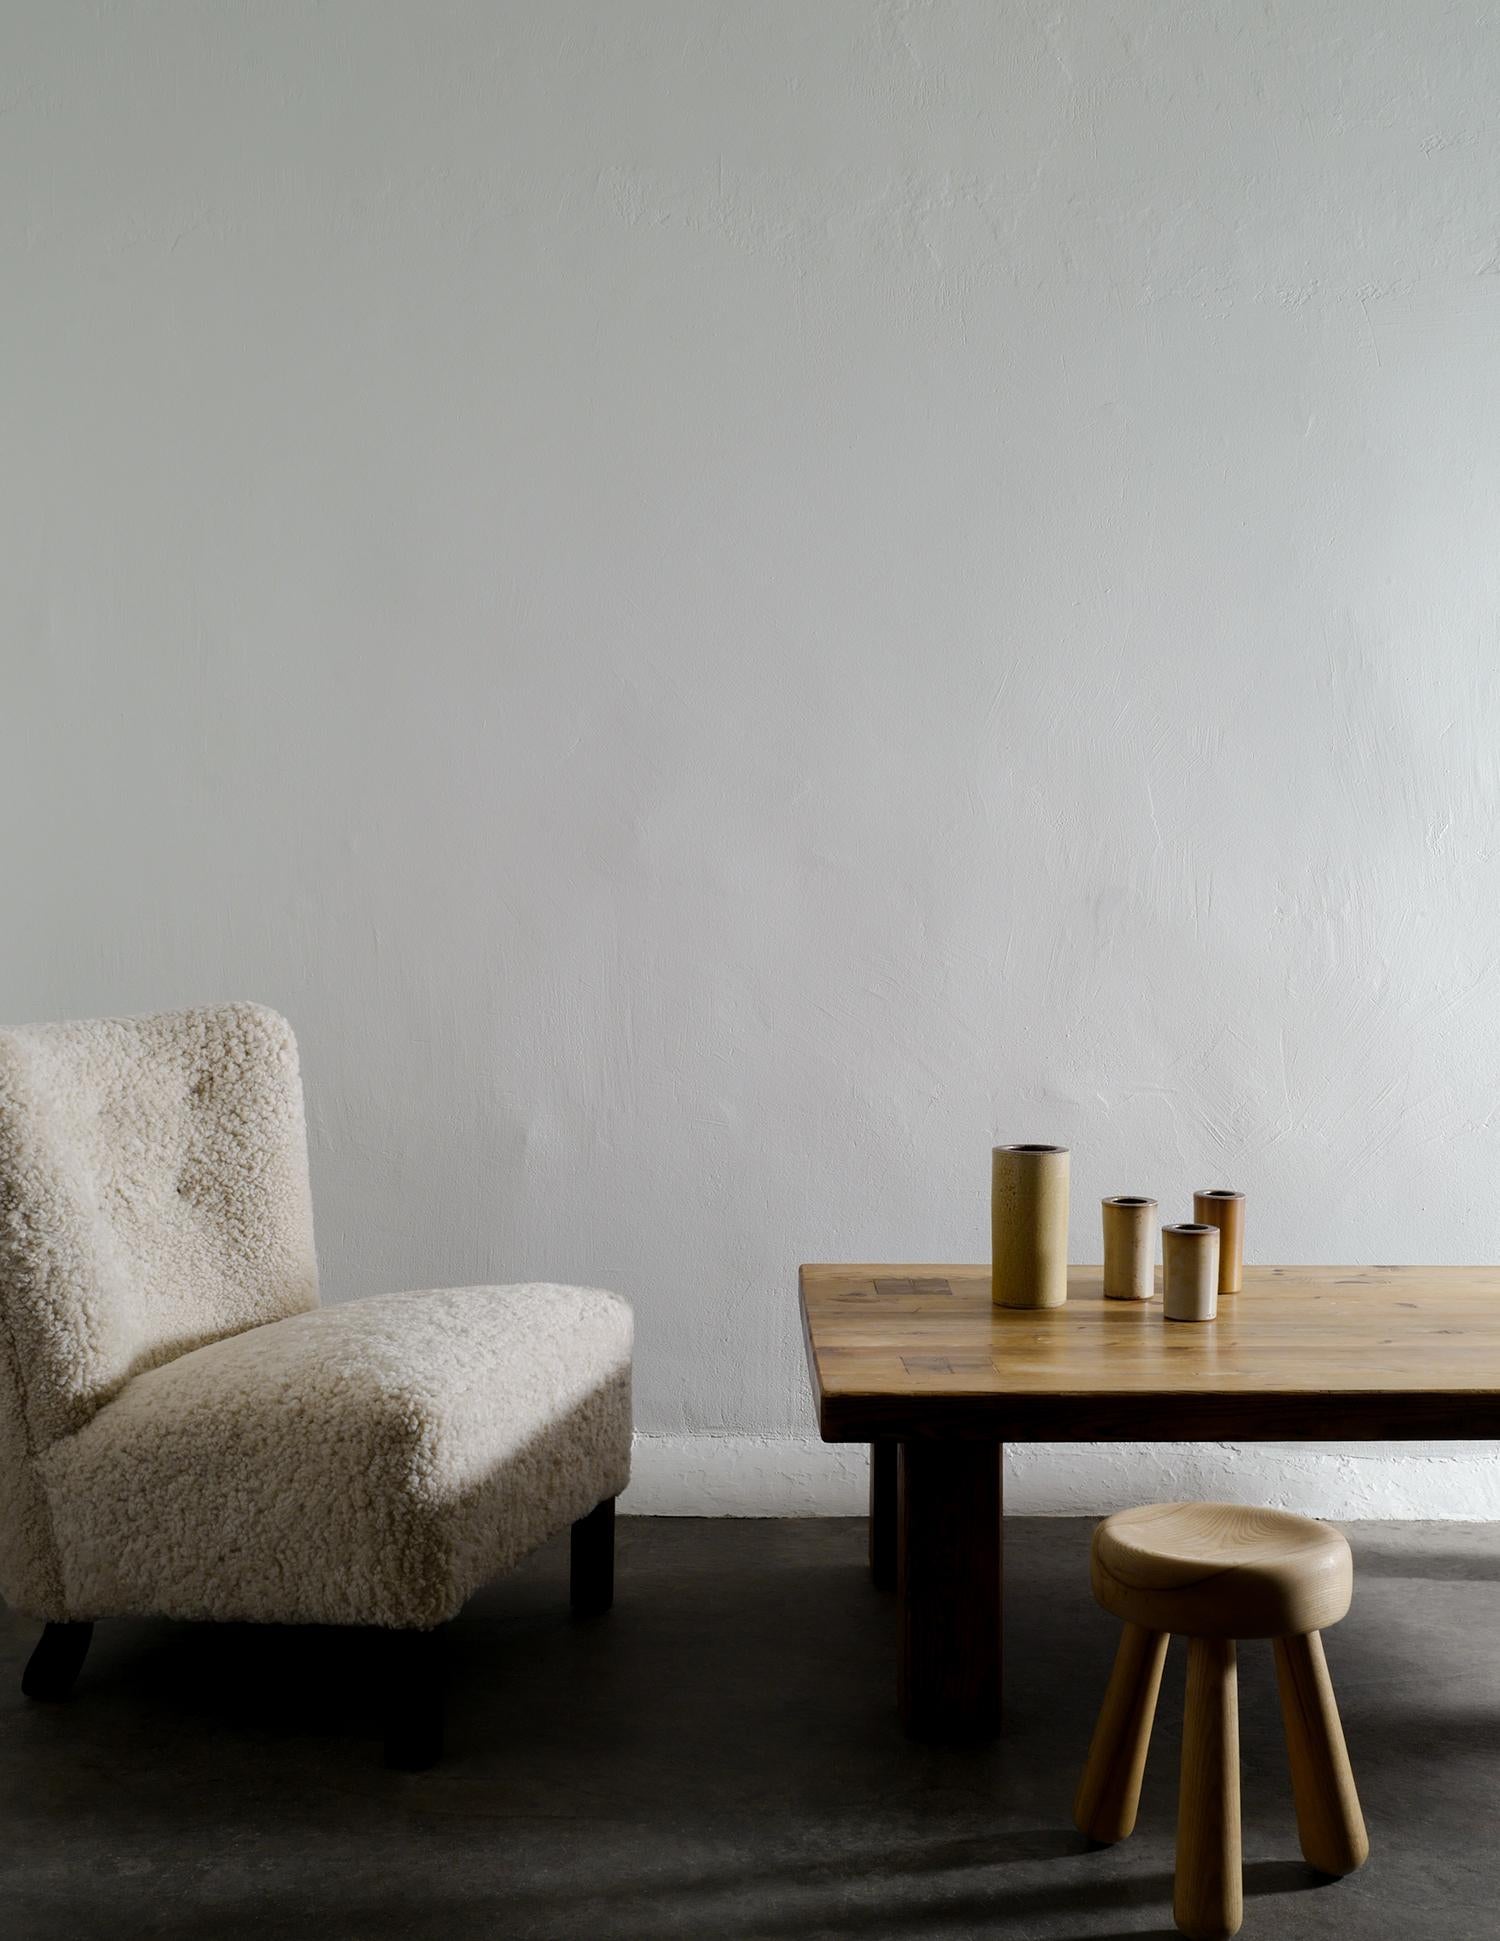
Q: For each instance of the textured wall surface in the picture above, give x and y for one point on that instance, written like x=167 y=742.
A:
x=727 y=602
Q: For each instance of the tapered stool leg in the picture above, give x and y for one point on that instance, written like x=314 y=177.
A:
x=1208 y=1902
x=1330 y=1825
x=1110 y=1790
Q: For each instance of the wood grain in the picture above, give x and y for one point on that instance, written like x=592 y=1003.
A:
x=1221 y=1570
x=1330 y=1825
x=1315 y=1353
x=1109 y=1794
x=1208 y=1894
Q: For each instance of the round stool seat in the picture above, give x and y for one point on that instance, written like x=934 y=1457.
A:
x=1217 y=1570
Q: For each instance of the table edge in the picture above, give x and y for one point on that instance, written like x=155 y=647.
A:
x=1157 y=1415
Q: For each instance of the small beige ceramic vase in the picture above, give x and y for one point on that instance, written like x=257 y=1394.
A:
x=1190 y=1272
x=1129 y=1248
x=1029 y=1226
x=1222 y=1207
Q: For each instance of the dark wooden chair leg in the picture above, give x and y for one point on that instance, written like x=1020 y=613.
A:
x=591 y=1585
x=55 y=1664
x=883 y=1457
x=414 y=1700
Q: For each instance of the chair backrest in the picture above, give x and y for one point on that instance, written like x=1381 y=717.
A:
x=153 y=1197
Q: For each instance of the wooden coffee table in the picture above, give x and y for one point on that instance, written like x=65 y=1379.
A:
x=919 y=1364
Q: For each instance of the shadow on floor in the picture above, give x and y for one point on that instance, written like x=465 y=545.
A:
x=1432 y=1566
x=717 y=1758
x=692 y=1905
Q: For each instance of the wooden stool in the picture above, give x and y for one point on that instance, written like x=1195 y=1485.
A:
x=1215 y=1573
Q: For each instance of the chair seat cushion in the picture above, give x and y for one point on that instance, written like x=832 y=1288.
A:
x=1221 y=1570
x=369 y=1463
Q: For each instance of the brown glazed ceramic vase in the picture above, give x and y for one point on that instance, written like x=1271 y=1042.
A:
x=1222 y=1207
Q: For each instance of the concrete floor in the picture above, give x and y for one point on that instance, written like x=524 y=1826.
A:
x=720 y=1758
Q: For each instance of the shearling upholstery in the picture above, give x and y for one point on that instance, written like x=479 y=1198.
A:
x=369 y=1463
x=183 y=1431
x=153 y=1196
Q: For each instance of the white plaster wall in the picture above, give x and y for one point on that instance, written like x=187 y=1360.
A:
x=726 y=602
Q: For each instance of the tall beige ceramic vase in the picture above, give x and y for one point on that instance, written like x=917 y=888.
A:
x=1029 y=1226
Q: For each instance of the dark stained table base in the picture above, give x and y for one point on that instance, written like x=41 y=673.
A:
x=947 y=1524
x=884 y=1459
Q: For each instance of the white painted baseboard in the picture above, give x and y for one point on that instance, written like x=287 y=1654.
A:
x=707 y=1475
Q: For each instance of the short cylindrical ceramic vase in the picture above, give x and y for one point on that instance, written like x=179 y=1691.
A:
x=1190 y=1271
x=1129 y=1247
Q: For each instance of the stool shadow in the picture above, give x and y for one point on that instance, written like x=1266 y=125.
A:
x=1284 y=1877
x=1260 y=1877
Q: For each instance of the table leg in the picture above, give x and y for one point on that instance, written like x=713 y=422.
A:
x=883 y=1515
x=948 y=1572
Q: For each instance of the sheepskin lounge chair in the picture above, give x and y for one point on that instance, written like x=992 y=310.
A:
x=184 y=1432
